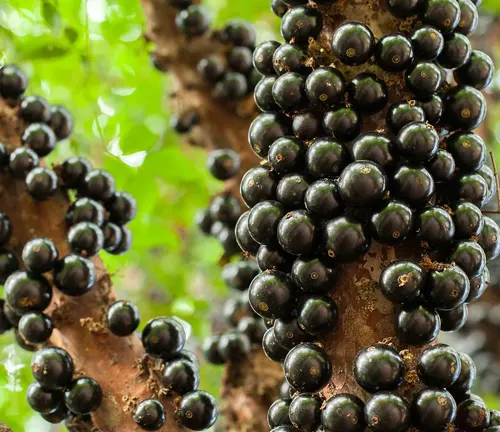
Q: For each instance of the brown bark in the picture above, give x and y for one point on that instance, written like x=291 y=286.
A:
x=112 y=361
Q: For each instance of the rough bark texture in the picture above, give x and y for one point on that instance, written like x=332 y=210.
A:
x=114 y=362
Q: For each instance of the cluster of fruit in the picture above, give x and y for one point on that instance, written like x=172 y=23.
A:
x=96 y=220
x=219 y=219
x=349 y=159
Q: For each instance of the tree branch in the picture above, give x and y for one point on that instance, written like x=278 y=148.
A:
x=112 y=361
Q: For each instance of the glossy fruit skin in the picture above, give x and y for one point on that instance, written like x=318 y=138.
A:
x=466 y=378
x=180 y=376
x=278 y=413
x=41 y=183
x=290 y=58
x=288 y=91
x=343 y=412
x=442 y=166
x=232 y=86
x=210 y=349
x=394 y=52
x=8 y=264
x=454 y=319
x=272 y=349
x=392 y=223
x=494 y=418
x=85 y=238
x=374 y=147
x=263 y=221
x=122 y=207
x=448 y=289
x=273 y=258
x=52 y=367
x=99 y=185
x=301 y=23
x=41 y=400
x=473 y=188
x=184 y=123
x=35 y=327
x=253 y=328
x=122 y=318
x=25 y=293
x=318 y=315
x=35 y=109
x=264 y=130
x=239 y=275
x=435 y=226
x=13 y=82
x=423 y=79
x=291 y=190
x=434 y=409
x=307 y=368
x=74 y=170
x=313 y=275
x=378 y=367
x=353 y=43
x=198 y=410
x=243 y=238
x=368 y=93
x=417 y=325
x=403 y=8
x=150 y=414
x=163 y=337
x=489 y=238
x=414 y=186
x=345 y=238
x=442 y=14
x=239 y=33
x=279 y=8
x=325 y=87
x=193 y=21
x=8 y=318
x=433 y=108
x=271 y=294
x=439 y=366
x=418 y=141
x=39 y=138
x=468 y=150
x=239 y=59
x=305 y=413
x=21 y=161
x=5 y=228
x=487 y=174
x=362 y=183
x=85 y=210
x=326 y=157
x=468 y=220
x=387 y=412
x=456 y=51
x=263 y=57
x=263 y=95
x=470 y=257
x=83 y=396
x=126 y=241
x=401 y=114
x=74 y=275
x=469 y=17
x=257 y=185
x=477 y=72
x=428 y=43
x=58 y=416
x=472 y=415
x=226 y=209
x=211 y=68
x=478 y=285
x=402 y=282
x=61 y=121
x=465 y=108
x=322 y=198
x=39 y=255
x=234 y=346
x=297 y=233
x=343 y=122
x=306 y=125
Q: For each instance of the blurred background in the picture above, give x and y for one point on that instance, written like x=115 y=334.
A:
x=90 y=56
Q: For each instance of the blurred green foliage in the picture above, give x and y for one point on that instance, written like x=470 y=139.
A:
x=90 y=56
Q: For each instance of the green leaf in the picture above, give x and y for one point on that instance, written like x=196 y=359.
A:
x=44 y=51
x=71 y=34
x=51 y=15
